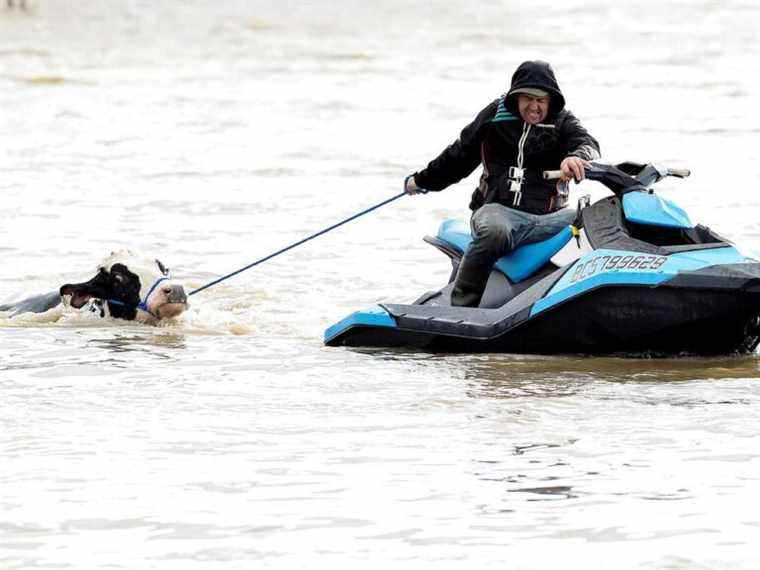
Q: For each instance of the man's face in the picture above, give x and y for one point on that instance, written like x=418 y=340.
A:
x=532 y=109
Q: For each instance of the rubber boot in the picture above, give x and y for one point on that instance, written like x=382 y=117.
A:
x=469 y=284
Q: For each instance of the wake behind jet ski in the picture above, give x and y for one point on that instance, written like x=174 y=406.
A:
x=632 y=274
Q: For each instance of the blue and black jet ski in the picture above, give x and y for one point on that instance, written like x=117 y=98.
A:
x=632 y=274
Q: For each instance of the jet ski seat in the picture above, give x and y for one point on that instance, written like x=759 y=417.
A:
x=516 y=265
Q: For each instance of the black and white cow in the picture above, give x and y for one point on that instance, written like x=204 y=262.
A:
x=126 y=286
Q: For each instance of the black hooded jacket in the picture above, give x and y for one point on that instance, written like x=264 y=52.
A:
x=495 y=138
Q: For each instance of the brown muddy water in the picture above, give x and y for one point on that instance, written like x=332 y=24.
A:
x=209 y=134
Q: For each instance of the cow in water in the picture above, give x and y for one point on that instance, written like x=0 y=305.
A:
x=126 y=286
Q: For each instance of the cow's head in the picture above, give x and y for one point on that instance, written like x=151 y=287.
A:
x=133 y=287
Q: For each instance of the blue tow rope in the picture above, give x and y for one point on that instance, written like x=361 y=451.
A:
x=284 y=249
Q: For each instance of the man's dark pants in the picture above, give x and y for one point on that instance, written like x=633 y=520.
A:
x=497 y=230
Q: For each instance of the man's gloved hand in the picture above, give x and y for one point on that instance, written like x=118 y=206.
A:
x=410 y=186
x=574 y=167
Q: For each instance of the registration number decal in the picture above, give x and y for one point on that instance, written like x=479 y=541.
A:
x=614 y=262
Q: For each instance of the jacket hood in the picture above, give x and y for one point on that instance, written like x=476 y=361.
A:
x=536 y=75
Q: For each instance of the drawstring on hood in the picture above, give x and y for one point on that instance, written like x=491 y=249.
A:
x=516 y=175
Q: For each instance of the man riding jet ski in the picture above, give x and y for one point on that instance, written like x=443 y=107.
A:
x=515 y=138
x=638 y=277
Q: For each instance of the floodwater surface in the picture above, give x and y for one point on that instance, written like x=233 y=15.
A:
x=209 y=134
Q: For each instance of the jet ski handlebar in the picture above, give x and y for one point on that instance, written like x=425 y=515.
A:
x=677 y=172
x=552 y=174
x=624 y=177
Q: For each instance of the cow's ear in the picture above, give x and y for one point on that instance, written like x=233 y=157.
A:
x=162 y=268
x=79 y=294
x=97 y=287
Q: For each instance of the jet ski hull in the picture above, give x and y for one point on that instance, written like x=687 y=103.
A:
x=629 y=320
x=681 y=307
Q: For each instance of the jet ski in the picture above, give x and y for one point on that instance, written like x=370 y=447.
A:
x=631 y=275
